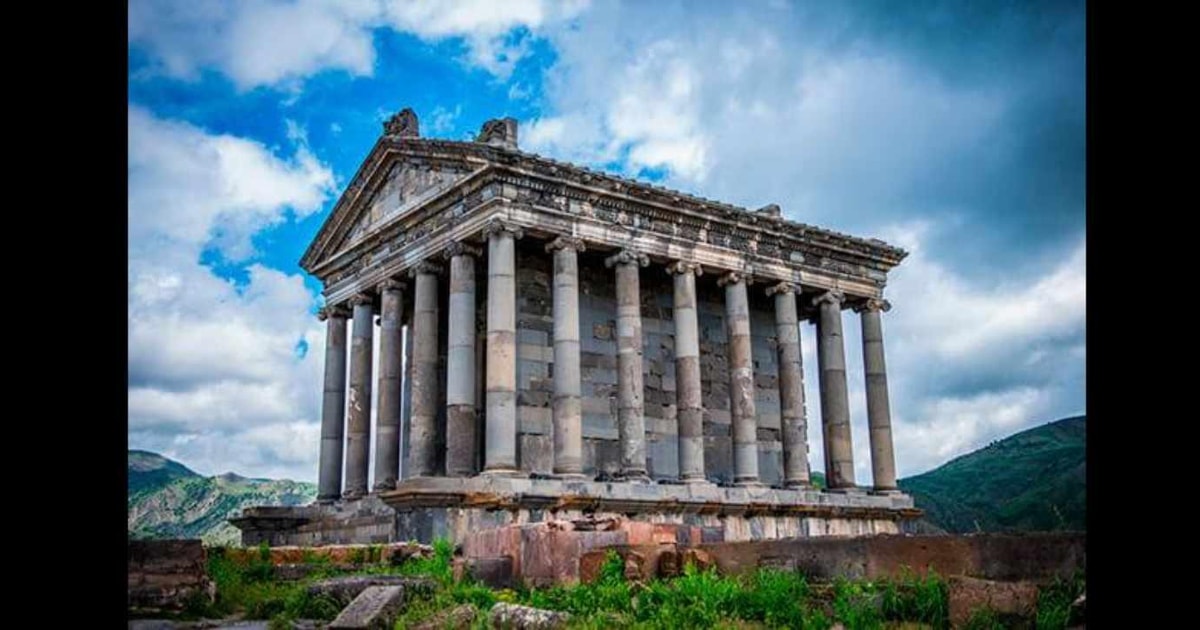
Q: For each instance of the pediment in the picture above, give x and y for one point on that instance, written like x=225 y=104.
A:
x=408 y=182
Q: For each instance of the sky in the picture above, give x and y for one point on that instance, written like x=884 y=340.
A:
x=954 y=130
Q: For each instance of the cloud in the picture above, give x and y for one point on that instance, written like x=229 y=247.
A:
x=279 y=44
x=213 y=364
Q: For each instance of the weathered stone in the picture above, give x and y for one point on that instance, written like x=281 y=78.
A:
x=344 y=589
x=879 y=419
x=460 y=365
x=493 y=571
x=358 y=416
x=167 y=574
x=500 y=455
x=631 y=421
x=376 y=607
x=835 y=402
x=517 y=617
x=1009 y=600
x=333 y=408
x=387 y=416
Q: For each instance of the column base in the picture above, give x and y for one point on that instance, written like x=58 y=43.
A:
x=634 y=476
x=850 y=490
x=748 y=483
x=385 y=486
x=571 y=476
x=510 y=473
x=886 y=491
x=798 y=485
x=328 y=500
x=353 y=495
x=696 y=481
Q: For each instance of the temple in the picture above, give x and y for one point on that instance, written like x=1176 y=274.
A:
x=560 y=343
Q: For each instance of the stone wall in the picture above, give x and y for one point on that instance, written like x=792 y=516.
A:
x=166 y=574
x=598 y=363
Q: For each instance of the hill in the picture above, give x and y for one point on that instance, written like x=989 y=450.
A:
x=168 y=500
x=1034 y=480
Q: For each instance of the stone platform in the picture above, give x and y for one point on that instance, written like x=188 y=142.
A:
x=427 y=508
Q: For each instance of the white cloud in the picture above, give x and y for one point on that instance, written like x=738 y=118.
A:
x=280 y=44
x=214 y=366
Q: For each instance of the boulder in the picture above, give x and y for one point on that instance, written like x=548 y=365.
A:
x=376 y=608
x=516 y=617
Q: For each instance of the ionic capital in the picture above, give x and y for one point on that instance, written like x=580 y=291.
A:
x=500 y=226
x=782 y=287
x=337 y=310
x=391 y=284
x=683 y=266
x=423 y=267
x=873 y=305
x=566 y=242
x=733 y=277
x=362 y=299
x=459 y=248
x=627 y=257
x=832 y=296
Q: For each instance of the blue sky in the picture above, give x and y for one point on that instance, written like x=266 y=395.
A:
x=955 y=130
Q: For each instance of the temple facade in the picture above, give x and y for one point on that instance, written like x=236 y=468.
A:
x=559 y=341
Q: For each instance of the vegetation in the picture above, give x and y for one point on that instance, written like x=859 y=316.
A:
x=767 y=598
x=1032 y=481
x=168 y=500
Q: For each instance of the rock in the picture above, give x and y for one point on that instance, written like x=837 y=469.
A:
x=167 y=574
x=376 y=608
x=633 y=565
x=702 y=559
x=1007 y=599
x=668 y=564
x=516 y=617
x=345 y=589
x=457 y=618
x=496 y=573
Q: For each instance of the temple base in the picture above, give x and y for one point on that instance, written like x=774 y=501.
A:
x=463 y=509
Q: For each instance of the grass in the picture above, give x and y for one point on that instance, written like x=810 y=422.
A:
x=765 y=598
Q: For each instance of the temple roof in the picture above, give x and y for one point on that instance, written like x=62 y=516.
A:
x=493 y=153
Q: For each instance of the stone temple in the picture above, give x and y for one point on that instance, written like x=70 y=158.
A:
x=558 y=343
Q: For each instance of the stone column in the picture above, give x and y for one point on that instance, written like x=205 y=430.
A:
x=835 y=402
x=741 y=379
x=358 y=420
x=333 y=408
x=422 y=453
x=688 y=396
x=567 y=410
x=879 y=415
x=631 y=420
x=387 y=417
x=460 y=362
x=791 y=387
x=500 y=451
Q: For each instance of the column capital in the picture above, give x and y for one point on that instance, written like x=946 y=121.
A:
x=734 y=277
x=337 y=310
x=497 y=225
x=424 y=267
x=566 y=242
x=833 y=296
x=873 y=305
x=459 y=248
x=392 y=284
x=627 y=257
x=783 y=287
x=683 y=266
x=362 y=299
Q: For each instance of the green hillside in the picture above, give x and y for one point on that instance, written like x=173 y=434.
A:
x=167 y=500
x=1034 y=480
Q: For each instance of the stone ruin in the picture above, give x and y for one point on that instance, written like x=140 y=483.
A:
x=561 y=344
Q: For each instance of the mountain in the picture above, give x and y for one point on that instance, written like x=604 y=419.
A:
x=168 y=500
x=1035 y=480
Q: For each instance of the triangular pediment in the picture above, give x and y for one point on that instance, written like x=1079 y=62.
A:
x=408 y=182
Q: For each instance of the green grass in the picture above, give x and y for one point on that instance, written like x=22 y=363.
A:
x=765 y=598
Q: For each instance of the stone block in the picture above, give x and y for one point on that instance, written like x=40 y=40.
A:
x=536 y=453
x=535 y=420
x=376 y=608
x=458 y=618
x=603 y=427
x=347 y=588
x=494 y=572
x=1012 y=601
x=662 y=457
x=516 y=617
x=718 y=459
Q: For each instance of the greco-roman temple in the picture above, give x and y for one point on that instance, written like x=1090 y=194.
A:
x=557 y=343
